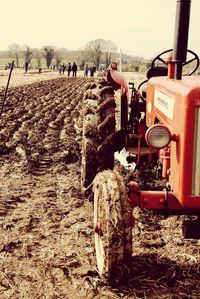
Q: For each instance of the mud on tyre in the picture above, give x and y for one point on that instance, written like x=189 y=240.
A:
x=98 y=130
x=112 y=224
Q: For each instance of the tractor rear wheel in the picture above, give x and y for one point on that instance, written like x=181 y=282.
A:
x=112 y=224
x=98 y=131
x=89 y=150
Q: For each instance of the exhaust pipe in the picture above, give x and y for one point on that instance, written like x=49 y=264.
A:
x=181 y=35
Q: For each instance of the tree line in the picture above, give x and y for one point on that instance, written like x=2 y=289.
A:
x=97 y=52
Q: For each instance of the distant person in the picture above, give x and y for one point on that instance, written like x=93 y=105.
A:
x=60 y=69
x=69 y=69
x=63 y=68
x=94 y=68
x=91 y=71
x=26 y=67
x=74 y=69
x=86 y=70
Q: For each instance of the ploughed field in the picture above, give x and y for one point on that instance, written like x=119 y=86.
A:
x=46 y=224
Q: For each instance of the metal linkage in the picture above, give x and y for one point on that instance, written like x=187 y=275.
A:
x=11 y=68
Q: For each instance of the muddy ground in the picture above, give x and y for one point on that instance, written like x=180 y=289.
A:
x=46 y=224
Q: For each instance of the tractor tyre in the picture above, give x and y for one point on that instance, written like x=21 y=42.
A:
x=89 y=151
x=98 y=130
x=112 y=225
x=106 y=129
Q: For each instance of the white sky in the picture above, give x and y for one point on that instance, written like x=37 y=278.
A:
x=139 y=27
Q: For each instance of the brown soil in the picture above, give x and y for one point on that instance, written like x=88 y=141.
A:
x=46 y=225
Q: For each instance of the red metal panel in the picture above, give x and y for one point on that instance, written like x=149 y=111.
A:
x=183 y=96
x=159 y=200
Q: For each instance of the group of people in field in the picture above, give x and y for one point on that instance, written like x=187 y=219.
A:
x=88 y=70
x=70 y=68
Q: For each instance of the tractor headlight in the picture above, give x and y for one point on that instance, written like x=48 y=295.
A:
x=158 y=136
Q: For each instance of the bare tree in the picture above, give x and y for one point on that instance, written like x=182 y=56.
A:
x=15 y=50
x=58 y=57
x=82 y=64
x=37 y=55
x=58 y=60
x=109 y=48
x=94 y=50
x=28 y=54
x=48 y=53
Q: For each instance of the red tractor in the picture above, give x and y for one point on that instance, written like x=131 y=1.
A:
x=167 y=120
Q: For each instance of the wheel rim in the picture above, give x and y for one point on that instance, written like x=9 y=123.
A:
x=110 y=231
x=99 y=243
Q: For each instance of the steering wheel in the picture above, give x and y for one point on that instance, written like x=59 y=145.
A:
x=143 y=93
x=162 y=70
x=194 y=58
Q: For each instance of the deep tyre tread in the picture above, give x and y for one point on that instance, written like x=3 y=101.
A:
x=98 y=126
x=89 y=162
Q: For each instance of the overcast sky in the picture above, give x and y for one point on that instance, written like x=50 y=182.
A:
x=139 y=27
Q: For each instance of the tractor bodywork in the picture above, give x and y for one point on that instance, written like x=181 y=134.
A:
x=173 y=107
x=175 y=104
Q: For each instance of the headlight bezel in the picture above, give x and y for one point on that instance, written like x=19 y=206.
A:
x=158 y=133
